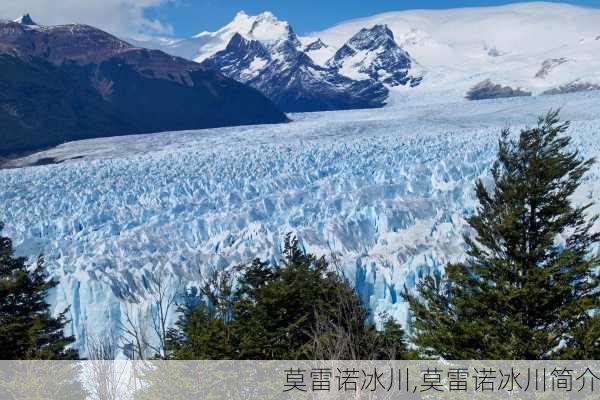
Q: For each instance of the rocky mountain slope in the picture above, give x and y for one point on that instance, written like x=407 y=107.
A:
x=61 y=83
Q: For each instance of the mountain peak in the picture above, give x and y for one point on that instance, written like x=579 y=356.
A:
x=375 y=36
x=267 y=15
x=372 y=53
x=381 y=29
x=240 y=20
x=267 y=28
x=239 y=44
x=25 y=20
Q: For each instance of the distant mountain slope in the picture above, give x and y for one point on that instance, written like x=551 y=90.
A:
x=72 y=82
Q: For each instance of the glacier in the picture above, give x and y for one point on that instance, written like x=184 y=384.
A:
x=384 y=191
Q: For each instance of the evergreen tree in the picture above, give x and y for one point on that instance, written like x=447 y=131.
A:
x=204 y=329
x=300 y=309
x=528 y=286
x=27 y=329
x=583 y=341
x=283 y=312
x=390 y=343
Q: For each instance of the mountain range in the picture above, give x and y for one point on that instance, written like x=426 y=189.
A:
x=302 y=73
x=417 y=56
x=70 y=82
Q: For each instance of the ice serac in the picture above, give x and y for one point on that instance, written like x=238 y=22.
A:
x=374 y=53
x=70 y=82
x=270 y=58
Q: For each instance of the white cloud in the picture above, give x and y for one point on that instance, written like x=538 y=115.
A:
x=121 y=17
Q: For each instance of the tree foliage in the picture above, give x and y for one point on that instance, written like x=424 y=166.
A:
x=27 y=329
x=301 y=309
x=529 y=288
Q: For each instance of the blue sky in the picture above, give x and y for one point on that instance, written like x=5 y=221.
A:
x=188 y=17
x=184 y=18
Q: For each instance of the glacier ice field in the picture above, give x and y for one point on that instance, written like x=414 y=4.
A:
x=385 y=191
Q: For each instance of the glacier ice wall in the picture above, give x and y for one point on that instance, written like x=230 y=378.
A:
x=387 y=191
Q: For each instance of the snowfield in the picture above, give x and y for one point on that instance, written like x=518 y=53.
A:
x=386 y=190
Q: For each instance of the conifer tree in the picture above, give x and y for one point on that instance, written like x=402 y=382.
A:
x=27 y=329
x=528 y=289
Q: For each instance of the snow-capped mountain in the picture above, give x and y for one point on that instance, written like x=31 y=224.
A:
x=535 y=48
x=303 y=73
x=25 y=20
x=373 y=53
x=273 y=61
x=525 y=48
x=318 y=51
x=263 y=27
x=386 y=190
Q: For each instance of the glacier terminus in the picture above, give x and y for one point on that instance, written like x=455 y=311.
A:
x=386 y=191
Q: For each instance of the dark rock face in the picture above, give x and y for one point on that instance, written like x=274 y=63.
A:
x=374 y=52
x=74 y=82
x=489 y=90
x=573 y=87
x=26 y=20
x=548 y=66
x=299 y=85
x=286 y=75
x=316 y=45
